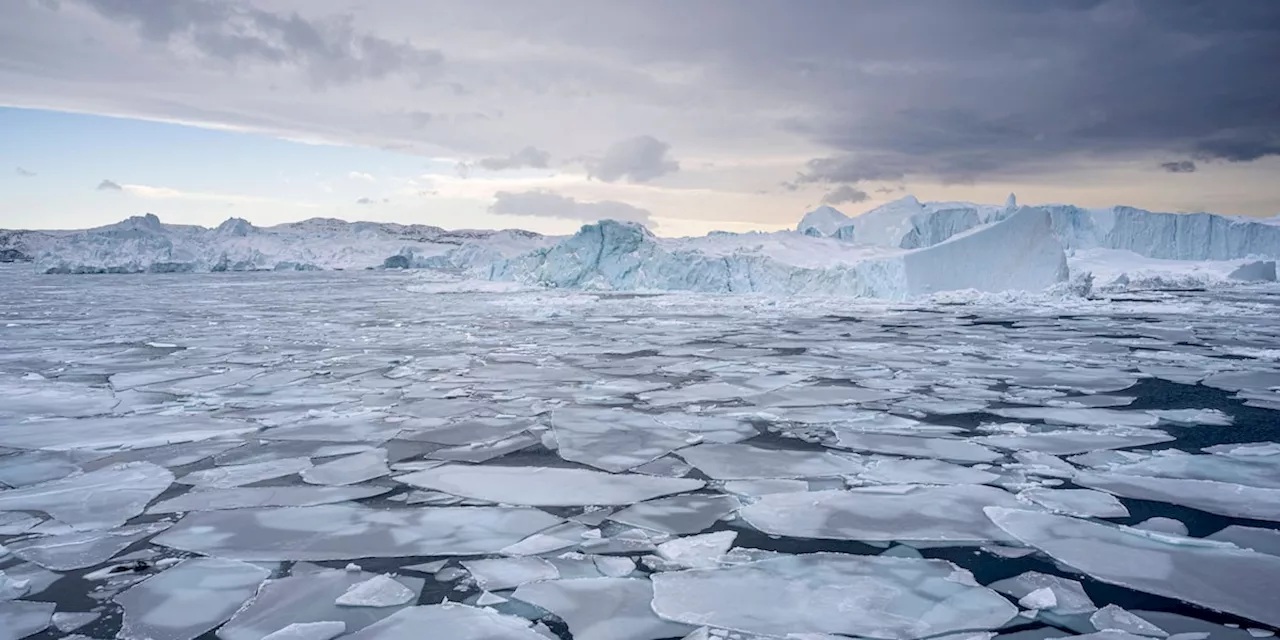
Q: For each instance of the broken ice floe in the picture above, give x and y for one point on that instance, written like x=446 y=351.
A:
x=896 y=598
x=323 y=630
x=688 y=513
x=944 y=449
x=379 y=591
x=1223 y=498
x=602 y=608
x=540 y=486
x=1064 y=597
x=189 y=599
x=615 y=440
x=102 y=499
x=697 y=552
x=1076 y=502
x=349 y=470
x=247 y=497
x=1113 y=617
x=308 y=598
x=496 y=574
x=82 y=549
x=1261 y=540
x=899 y=471
x=744 y=462
x=449 y=621
x=1067 y=442
x=241 y=474
x=20 y=619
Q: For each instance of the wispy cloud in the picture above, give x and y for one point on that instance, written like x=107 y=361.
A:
x=109 y=185
x=25 y=173
x=167 y=193
x=361 y=176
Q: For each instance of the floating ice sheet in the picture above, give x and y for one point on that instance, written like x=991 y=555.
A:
x=34 y=467
x=819 y=396
x=1068 y=442
x=941 y=448
x=614 y=440
x=246 y=497
x=1261 y=540
x=20 y=619
x=126 y=432
x=241 y=474
x=480 y=430
x=496 y=574
x=1068 y=596
x=1080 y=417
x=1223 y=498
x=697 y=552
x=379 y=591
x=307 y=598
x=895 y=598
x=452 y=621
x=189 y=599
x=898 y=471
x=1209 y=574
x=1077 y=502
x=323 y=630
x=1254 y=466
x=339 y=532
x=893 y=512
x=678 y=514
x=744 y=462
x=538 y=486
x=602 y=608
x=80 y=550
x=1193 y=417
x=1113 y=617
x=102 y=499
x=349 y=470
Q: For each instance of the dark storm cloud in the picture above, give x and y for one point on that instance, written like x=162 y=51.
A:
x=845 y=194
x=1179 y=166
x=331 y=50
x=108 y=185
x=553 y=205
x=638 y=159
x=530 y=157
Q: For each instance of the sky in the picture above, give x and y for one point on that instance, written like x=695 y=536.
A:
x=686 y=116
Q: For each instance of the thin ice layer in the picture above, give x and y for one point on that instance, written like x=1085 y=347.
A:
x=895 y=598
x=452 y=621
x=1067 y=442
x=187 y=600
x=1210 y=574
x=349 y=470
x=496 y=574
x=1068 y=596
x=20 y=619
x=1223 y=498
x=678 y=514
x=80 y=550
x=247 y=497
x=603 y=608
x=1077 y=502
x=1082 y=417
x=1260 y=540
x=745 y=462
x=546 y=487
x=1113 y=617
x=614 y=440
x=306 y=599
x=340 y=532
x=241 y=474
x=893 y=512
x=941 y=448
x=898 y=471
x=102 y=499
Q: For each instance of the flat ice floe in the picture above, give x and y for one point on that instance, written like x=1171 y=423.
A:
x=678 y=514
x=1082 y=417
x=1113 y=617
x=496 y=574
x=1223 y=498
x=80 y=550
x=236 y=475
x=126 y=432
x=1072 y=441
x=19 y=619
x=1260 y=540
x=955 y=450
x=906 y=513
x=340 y=532
x=895 y=598
x=1213 y=575
x=379 y=591
x=307 y=597
x=745 y=462
x=188 y=599
x=324 y=630
x=602 y=608
x=614 y=440
x=102 y=499
x=1076 y=502
x=899 y=471
x=246 y=497
x=348 y=470
x=1065 y=597
x=542 y=486
x=452 y=621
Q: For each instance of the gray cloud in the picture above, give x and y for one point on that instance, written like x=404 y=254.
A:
x=331 y=51
x=1179 y=166
x=638 y=159
x=531 y=157
x=25 y=173
x=844 y=194
x=553 y=205
x=365 y=201
x=108 y=185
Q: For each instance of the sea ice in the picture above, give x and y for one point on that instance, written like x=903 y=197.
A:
x=688 y=513
x=1164 y=525
x=478 y=430
x=1080 y=417
x=20 y=619
x=68 y=621
x=745 y=462
x=496 y=574
x=697 y=552
x=349 y=470
x=1113 y=617
x=1072 y=441
x=1043 y=464
x=1068 y=595
x=13 y=523
x=905 y=513
x=895 y=598
x=378 y=591
x=1261 y=540
x=1042 y=598
x=602 y=608
x=1193 y=417
x=187 y=600
x=821 y=396
x=614 y=566
x=102 y=499
x=307 y=598
x=1223 y=498
x=1077 y=502
x=34 y=467
x=237 y=475
x=449 y=620
x=340 y=532
x=81 y=550
x=484 y=451
x=614 y=440
x=247 y=497
x=1209 y=574
x=118 y=432
x=944 y=449
x=756 y=488
x=538 y=486
x=898 y=471
x=323 y=630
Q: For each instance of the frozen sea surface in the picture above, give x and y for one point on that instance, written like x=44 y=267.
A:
x=291 y=450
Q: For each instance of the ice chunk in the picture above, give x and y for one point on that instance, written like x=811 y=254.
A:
x=450 y=620
x=308 y=598
x=895 y=598
x=13 y=523
x=20 y=619
x=818 y=396
x=1043 y=464
x=697 y=552
x=484 y=451
x=1042 y=598
x=885 y=513
x=1071 y=441
x=678 y=514
x=241 y=474
x=82 y=549
x=1239 y=464
x=1164 y=525
x=1193 y=417
x=339 y=532
x=468 y=432
x=102 y=499
x=1077 y=502
x=1113 y=617
x=1068 y=595
x=1080 y=417
x=898 y=471
x=13 y=588
x=189 y=599
x=613 y=566
x=124 y=432
x=614 y=440
x=378 y=591
x=28 y=579
x=496 y=574
x=538 y=486
x=1223 y=498
x=744 y=462
x=487 y=598
x=349 y=470
x=567 y=534
x=245 y=497
x=1208 y=574
x=602 y=608
x=756 y=488
x=323 y=630
x=944 y=449
x=1261 y=540
x=700 y=393
x=34 y=467
x=68 y=621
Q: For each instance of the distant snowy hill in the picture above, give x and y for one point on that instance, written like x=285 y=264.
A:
x=901 y=249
